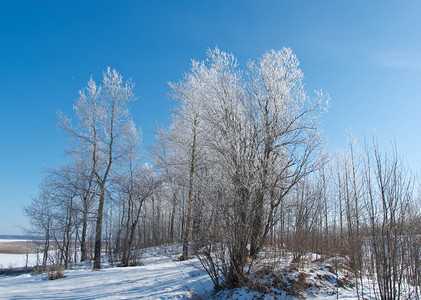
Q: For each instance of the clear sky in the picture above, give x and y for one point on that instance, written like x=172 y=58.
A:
x=366 y=54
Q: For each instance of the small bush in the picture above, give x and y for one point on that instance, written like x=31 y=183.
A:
x=55 y=272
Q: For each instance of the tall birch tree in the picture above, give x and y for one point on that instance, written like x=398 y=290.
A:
x=103 y=125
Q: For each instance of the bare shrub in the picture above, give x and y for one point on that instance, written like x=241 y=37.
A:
x=135 y=259
x=55 y=272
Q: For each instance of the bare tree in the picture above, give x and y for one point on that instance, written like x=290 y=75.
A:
x=40 y=217
x=166 y=159
x=390 y=204
x=136 y=186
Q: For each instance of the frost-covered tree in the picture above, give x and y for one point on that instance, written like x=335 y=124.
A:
x=103 y=125
x=285 y=121
x=169 y=162
x=87 y=190
x=257 y=134
x=134 y=187
x=187 y=137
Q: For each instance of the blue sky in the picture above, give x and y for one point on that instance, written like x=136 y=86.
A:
x=365 y=54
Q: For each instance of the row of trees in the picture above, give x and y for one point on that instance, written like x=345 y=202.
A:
x=363 y=205
x=241 y=167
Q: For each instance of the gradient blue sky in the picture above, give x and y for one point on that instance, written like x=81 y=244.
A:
x=366 y=54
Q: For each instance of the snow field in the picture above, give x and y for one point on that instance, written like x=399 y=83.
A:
x=159 y=278
x=162 y=276
x=17 y=260
x=14 y=260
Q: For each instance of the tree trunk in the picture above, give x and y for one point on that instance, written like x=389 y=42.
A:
x=98 y=231
x=172 y=235
x=46 y=248
x=83 y=242
x=256 y=236
x=187 y=232
x=67 y=247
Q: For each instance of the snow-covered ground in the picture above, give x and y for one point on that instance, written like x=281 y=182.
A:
x=17 y=260
x=159 y=278
x=11 y=240
x=13 y=260
x=343 y=293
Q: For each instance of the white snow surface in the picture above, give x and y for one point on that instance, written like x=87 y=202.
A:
x=12 y=240
x=9 y=260
x=160 y=278
x=17 y=260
